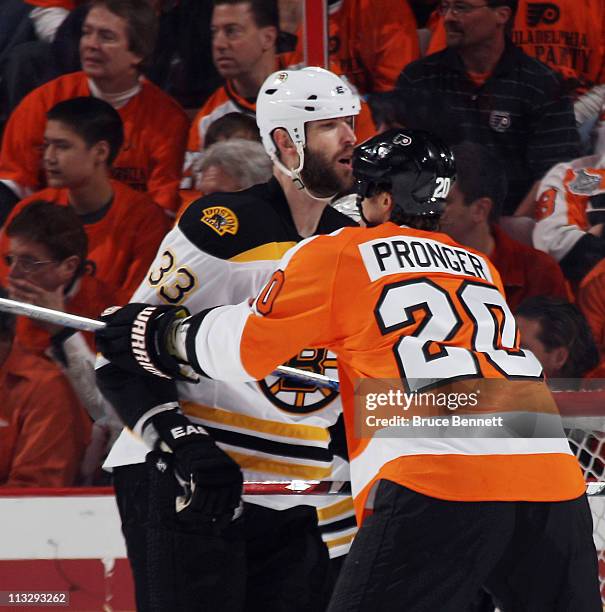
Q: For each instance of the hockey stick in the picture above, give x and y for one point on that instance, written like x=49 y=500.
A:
x=66 y=319
x=297 y=487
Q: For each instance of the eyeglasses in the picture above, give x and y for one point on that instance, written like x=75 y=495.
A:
x=458 y=8
x=28 y=265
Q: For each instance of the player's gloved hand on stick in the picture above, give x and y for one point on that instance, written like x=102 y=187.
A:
x=136 y=339
x=212 y=480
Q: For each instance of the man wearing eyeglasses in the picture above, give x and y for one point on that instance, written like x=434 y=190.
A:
x=46 y=259
x=484 y=89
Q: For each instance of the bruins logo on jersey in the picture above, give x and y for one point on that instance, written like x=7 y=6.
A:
x=221 y=220
x=296 y=397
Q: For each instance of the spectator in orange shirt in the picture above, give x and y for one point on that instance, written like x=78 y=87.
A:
x=244 y=34
x=471 y=216
x=117 y=37
x=82 y=139
x=370 y=42
x=47 y=266
x=43 y=429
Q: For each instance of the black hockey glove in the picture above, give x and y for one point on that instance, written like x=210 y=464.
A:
x=135 y=339
x=212 y=481
x=135 y=397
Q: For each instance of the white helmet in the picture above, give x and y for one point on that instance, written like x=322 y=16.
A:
x=290 y=98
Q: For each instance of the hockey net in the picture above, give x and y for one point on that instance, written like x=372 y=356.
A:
x=583 y=415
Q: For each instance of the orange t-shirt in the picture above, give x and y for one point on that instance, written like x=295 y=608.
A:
x=370 y=42
x=151 y=159
x=122 y=244
x=567 y=35
x=43 y=428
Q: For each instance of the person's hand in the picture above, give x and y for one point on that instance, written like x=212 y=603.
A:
x=135 y=339
x=212 y=482
x=24 y=290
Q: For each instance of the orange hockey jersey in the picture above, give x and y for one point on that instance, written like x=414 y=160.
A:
x=567 y=35
x=151 y=159
x=413 y=309
x=122 y=244
x=370 y=42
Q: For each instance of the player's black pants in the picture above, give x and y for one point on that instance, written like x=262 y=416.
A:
x=421 y=554
x=267 y=560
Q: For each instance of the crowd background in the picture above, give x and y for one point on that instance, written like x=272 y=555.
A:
x=116 y=114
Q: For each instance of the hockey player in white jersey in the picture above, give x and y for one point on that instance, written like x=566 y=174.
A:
x=223 y=249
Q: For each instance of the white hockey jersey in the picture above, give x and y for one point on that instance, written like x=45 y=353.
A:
x=222 y=251
x=569 y=196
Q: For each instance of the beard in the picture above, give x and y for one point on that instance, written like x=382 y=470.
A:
x=321 y=178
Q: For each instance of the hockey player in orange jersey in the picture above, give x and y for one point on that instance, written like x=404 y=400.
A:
x=443 y=512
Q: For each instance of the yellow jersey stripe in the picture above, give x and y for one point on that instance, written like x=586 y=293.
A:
x=340 y=541
x=270 y=251
x=329 y=512
x=291 y=470
x=243 y=421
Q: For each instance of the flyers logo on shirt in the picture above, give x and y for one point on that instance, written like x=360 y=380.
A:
x=500 y=121
x=544 y=12
x=297 y=397
x=221 y=219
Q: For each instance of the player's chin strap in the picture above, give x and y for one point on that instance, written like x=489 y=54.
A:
x=360 y=198
x=295 y=173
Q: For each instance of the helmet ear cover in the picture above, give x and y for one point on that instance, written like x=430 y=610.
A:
x=415 y=166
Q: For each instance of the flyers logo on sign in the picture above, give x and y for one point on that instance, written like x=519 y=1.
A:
x=544 y=12
x=221 y=219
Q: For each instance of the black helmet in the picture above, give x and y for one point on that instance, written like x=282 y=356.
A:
x=416 y=167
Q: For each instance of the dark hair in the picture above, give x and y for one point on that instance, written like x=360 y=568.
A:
x=93 y=120
x=230 y=125
x=7 y=320
x=513 y=5
x=141 y=24
x=57 y=228
x=427 y=223
x=480 y=174
x=563 y=324
x=265 y=12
